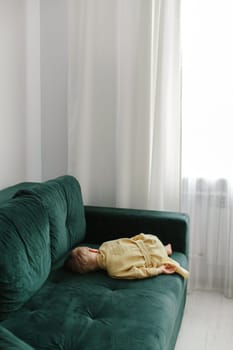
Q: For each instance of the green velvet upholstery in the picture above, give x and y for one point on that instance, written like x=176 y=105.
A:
x=62 y=199
x=96 y=312
x=25 y=258
x=10 y=342
x=70 y=311
x=9 y=192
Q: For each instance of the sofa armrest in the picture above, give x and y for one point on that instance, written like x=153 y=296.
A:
x=105 y=224
x=9 y=341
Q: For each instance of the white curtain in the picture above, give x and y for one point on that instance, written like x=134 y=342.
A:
x=124 y=101
x=207 y=110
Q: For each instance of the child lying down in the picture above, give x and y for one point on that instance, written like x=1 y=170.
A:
x=137 y=257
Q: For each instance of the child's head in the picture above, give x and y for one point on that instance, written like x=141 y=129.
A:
x=82 y=260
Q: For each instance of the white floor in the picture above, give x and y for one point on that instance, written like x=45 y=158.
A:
x=207 y=323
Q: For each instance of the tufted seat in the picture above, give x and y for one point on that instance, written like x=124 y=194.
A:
x=93 y=311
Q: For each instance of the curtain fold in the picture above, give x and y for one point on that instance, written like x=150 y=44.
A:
x=209 y=204
x=124 y=101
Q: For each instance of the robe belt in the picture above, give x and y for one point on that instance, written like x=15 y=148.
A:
x=144 y=252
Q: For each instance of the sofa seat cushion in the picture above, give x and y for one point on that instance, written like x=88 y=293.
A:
x=93 y=311
x=9 y=341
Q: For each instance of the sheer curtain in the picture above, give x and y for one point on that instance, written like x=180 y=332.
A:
x=207 y=111
x=124 y=101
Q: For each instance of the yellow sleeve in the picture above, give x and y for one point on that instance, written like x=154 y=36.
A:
x=181 y=271
x=136 y=272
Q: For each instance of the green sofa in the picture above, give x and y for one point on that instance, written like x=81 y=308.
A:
x=45 y=306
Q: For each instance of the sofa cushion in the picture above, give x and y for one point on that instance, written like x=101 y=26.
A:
x=94 y=311
x=25 y=258
x=9 y=192
x=62 y=199
x=10 y=342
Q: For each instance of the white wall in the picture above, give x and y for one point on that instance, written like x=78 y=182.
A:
x=12 y=92
x=33 y=68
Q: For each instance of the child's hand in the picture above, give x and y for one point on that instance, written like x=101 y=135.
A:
x=168 y=269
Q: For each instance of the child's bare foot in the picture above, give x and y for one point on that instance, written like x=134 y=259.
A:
x=168 y=249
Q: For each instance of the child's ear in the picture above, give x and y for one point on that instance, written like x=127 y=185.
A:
x=93 y=250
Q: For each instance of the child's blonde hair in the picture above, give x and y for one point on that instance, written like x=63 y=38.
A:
x=81 y=262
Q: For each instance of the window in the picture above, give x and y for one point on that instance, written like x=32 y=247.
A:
x=207 y=97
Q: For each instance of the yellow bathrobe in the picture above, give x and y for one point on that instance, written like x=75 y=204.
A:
x=135 y=258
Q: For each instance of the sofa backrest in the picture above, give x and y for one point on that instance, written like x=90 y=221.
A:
x=25 y=258
x=62 y=199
